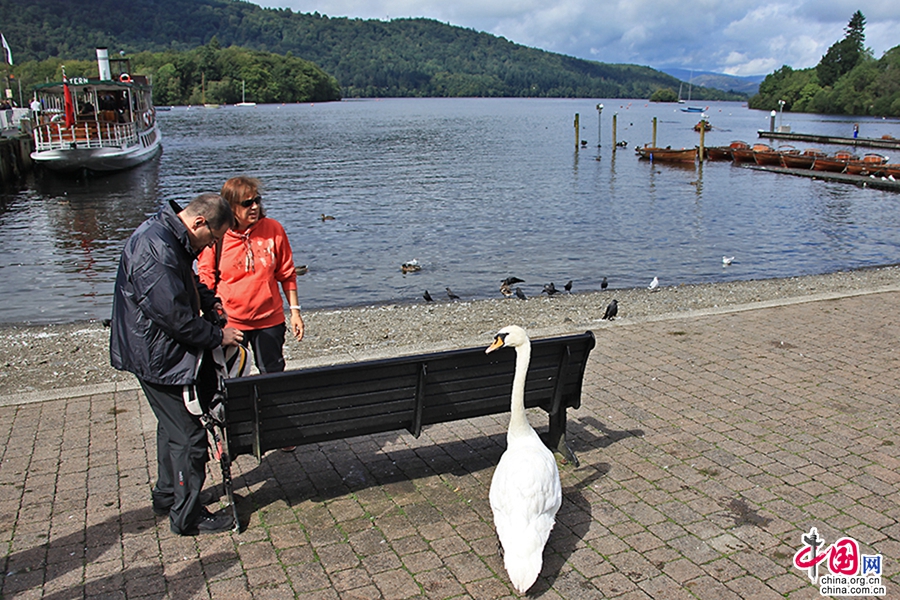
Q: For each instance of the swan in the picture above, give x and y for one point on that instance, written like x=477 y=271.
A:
x=525 y=490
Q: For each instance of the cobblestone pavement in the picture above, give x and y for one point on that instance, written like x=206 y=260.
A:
x=709 y=444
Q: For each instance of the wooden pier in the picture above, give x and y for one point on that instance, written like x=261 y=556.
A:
x=15 y=157
x=887 y=143
x=878 y=183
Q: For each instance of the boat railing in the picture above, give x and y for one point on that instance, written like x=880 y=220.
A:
x=85 y=135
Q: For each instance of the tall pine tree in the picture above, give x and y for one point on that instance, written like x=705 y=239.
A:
x=845 y=54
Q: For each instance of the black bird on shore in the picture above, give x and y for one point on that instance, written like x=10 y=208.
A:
x=611 y=311
x=427 y=297
x=520 y=294
x=568 y=286
x=451 y=294
x=550 y=289
x=603 y=284
x=511 y=281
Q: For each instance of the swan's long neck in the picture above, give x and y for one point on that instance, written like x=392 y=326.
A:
x=517 y=420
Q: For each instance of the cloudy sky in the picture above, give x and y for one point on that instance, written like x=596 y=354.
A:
x=738 y=37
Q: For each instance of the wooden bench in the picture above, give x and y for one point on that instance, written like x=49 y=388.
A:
x=293 y=408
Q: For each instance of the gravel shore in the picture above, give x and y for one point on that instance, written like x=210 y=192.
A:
x=37 y=360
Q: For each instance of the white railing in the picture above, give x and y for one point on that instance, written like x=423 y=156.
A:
x=85 y=135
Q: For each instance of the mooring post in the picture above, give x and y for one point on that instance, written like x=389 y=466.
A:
x=702 y=137
x=576 y=131
x=614 y=131
x=772 y=121
x=653 y=143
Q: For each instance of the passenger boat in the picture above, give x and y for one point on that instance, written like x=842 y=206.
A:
x=836 y=163
x=801 y=160
x=870 y=164
x=104 y=124
x=725 y=152
x=667 y=154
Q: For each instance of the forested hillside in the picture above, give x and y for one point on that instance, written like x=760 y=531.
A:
x=209 y=74
x=848 y=80
x=369 y=58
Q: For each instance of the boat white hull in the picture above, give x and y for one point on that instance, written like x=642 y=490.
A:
x=95 y=159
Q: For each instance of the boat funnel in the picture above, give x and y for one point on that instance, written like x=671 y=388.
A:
x=103 y=64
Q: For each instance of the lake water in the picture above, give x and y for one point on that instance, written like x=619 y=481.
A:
x=474 y=189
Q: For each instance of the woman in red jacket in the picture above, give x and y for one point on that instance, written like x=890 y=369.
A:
x=254 y=259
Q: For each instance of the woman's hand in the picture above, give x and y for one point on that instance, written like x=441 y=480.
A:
x=297 y=324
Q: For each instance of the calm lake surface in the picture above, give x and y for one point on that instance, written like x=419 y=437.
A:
x=474 y=189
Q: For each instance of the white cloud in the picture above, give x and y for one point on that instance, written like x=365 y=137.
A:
x=738 y=36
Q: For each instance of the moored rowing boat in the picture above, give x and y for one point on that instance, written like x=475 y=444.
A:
x=836 y=163
x=725 y=152
x=801 y=160
x=667 y=154
x=870 y=164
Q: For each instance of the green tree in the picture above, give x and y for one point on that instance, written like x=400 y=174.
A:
x=664 y=95
x=845 y=54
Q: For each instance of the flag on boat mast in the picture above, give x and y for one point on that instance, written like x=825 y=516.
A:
x=7 y=52
x=69 y=106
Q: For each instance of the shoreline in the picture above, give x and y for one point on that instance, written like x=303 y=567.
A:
x=42 y=362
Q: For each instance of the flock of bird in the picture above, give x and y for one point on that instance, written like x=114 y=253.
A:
x=508 y=291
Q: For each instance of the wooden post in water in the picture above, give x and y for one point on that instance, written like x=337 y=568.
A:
x=576 y=131
x=702 y=137
x=653 y=143
x=614 y=130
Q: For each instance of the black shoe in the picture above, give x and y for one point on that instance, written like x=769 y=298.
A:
x=206 y=497
x=214 y=523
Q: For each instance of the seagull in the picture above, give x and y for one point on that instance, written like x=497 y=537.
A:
x=611 y=311
x=603 y=284
x=451 y=294
x=520 y=294
x=654 y=284
x=550 y=289
x=568 y=286
x=727 y=260
x=427 y=297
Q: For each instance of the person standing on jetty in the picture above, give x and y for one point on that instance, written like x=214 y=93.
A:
x=245 y=271
x=158 y=334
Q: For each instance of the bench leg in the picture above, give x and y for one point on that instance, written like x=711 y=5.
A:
x=557 y=441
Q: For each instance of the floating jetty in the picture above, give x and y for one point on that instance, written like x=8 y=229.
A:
x=889 y=143
x=878 y=183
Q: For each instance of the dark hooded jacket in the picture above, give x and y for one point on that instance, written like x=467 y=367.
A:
x=157 y=332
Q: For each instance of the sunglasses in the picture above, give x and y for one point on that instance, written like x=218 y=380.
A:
x=252 y=201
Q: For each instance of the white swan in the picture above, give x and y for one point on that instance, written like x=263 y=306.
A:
x=525 y=490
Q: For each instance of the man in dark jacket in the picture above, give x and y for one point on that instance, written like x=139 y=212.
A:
x=158 y=333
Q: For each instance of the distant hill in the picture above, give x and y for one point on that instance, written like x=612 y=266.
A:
x=720 y=81
x=369 y=58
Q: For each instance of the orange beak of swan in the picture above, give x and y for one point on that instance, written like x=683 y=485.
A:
x=499 y=342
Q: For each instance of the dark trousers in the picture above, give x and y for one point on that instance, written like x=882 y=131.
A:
x=268 y=347
x=181 y=456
